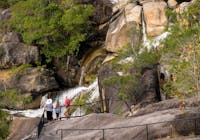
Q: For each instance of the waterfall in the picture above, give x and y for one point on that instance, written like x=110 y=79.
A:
x=76 y=91
x=93 y=89
x=155 y=42
x=145 y=42
x=68 y=60
x=81 y=77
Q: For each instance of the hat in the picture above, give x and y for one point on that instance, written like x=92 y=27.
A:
x=49 y=101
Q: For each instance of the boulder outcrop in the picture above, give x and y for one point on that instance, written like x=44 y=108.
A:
x=16 y=54
x=155 y=17
x=109 y=91
x=125 y=29
x=29 y=80
x=149 y=91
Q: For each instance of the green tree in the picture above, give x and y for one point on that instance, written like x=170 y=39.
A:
x=7 y=3
x=4 y=125
x=182 y=53
x=58 y=27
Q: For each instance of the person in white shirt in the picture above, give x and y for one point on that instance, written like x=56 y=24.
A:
x=49 y=109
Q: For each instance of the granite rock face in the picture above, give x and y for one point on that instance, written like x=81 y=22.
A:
x=30 y=80
x=124 y=29
x=16 y=54
x=155 y=17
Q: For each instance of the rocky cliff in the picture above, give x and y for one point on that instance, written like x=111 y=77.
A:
x=116 y=53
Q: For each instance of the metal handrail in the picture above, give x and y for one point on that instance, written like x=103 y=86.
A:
x=40 y=125
x=90 y=103
x=125 y=127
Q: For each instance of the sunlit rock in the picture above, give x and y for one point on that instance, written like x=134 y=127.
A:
x=172 y=3
x=155 y=17
x=125 y=29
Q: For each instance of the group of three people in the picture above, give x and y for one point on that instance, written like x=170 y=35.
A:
x=49 y=107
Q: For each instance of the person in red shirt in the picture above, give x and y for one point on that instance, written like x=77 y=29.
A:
x=67 y=105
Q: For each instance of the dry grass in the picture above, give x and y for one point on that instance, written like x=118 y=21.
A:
x=5 y=74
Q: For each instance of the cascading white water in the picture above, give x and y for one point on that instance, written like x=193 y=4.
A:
x=68 y=60
x=70 y=93
x=145 y=42
x=74 y=92
x=93 y=89
x=81 y=77
x=31 y=113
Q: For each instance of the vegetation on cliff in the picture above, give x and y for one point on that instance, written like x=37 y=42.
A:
x=58 y=27
x=181 y=53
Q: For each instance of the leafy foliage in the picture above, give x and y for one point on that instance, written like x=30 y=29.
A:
x=15 y=70
x=7 y=3
x=182 y=53
x=57 y=27
x=9 y=98
x=1 y=52
x=82 y=102
x=4 y=125
x=130 y=79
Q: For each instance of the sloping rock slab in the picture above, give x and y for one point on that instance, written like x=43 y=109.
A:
x=21 y=127
x=99 y=121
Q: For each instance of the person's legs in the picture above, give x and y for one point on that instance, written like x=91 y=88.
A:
x=50 y=115
x=68 y=112
x=57 y=116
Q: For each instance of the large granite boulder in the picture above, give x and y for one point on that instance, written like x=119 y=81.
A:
x=28 y=80
x=108 y=91
x=149 y=90
x=125 y=29
x=16 y=54
x=155 y=17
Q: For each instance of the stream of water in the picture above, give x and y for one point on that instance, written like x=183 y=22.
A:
x=71 y=93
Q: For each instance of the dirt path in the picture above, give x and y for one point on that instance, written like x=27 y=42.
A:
x=22 y=127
